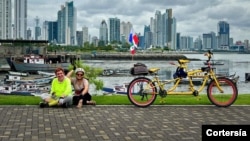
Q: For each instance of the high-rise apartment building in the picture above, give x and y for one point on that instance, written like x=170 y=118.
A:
x=66 y=18
x=125 y=29
x=103 y=32
x=5 y=19
x=20 y=19
x=37 y=29
x=114 y=30
x=50 y=31
x=147 y=37
x=223 y=34
x=85 y=34
x=163 y=28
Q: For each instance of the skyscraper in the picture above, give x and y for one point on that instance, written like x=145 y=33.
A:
x=163 y=28
x=103 y=33
x=5 y=19
x=20 y=19
x=66 y=18
x=147 y=37
x=114 y=29
x=223 y=34
x=37 y=29
x=50 y=31
x=85 y=34
x=125 y=29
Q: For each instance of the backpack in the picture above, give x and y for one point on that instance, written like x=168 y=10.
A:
x=139 y=69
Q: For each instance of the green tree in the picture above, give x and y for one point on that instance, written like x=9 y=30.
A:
x=91 y=73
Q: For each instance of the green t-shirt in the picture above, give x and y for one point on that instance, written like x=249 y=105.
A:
x=61 y=88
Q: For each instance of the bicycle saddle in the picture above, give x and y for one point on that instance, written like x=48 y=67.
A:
x=183 y=61
x=153 y=70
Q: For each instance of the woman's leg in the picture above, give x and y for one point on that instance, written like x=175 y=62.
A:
x=76 y=99
x=88 y=100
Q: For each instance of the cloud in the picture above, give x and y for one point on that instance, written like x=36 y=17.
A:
x=194 y=17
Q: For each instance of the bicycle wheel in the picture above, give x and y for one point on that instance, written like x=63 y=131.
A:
x=225 y=99
x=141 y=92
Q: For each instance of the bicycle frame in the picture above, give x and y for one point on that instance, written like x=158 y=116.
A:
x=206 y=76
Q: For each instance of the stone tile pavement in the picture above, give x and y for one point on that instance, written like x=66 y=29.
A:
x=114 y=123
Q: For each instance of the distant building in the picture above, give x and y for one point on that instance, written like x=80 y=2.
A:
x=223 y=34
x=163 y=28
x=103 y=33
x=50 y=31
x=37 y=30
x=187 y=43
x=66 y=18
x=198 y=43
x=29 y=34
x=79 y=38
x=5 y=19
x=114 y=30
x=85 y=35
x=95 y=41
x=125 y=29
x=20 y=19
x=147 y=40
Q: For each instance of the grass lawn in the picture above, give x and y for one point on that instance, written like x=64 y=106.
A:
x=243 y=99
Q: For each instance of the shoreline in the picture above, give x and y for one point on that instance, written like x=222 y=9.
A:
x=119 y=56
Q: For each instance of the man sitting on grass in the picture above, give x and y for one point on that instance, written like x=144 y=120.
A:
x=60 y=93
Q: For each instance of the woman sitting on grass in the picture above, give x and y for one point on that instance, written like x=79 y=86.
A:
x=81 y=88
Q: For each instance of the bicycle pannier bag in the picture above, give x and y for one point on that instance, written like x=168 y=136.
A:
x=139 y=69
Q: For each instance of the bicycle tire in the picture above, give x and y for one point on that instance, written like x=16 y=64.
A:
x=140 y=96
x=226 y=98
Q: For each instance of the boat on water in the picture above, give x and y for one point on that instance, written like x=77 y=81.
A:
x=18 y=73
x=43 y=73
x=117 y=89
x=24 y=89
x=32 y=63
x=215 y=63
x=20 y=79
x=115 y=72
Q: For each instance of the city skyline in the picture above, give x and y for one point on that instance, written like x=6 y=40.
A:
x=193 y=19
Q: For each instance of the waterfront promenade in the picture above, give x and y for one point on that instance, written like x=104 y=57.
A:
x=115 y=123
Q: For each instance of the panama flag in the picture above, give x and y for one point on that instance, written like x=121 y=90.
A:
x=133 y=39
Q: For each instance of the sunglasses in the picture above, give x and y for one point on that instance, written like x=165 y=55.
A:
x=79 y=74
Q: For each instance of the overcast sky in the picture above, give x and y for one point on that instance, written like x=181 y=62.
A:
x=193 y=17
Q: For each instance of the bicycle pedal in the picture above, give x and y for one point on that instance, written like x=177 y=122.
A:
x=162 y=101
x=198 y=98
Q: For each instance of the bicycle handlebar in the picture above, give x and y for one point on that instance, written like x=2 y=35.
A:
x=209 y=55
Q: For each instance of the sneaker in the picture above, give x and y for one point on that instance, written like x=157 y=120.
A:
x=42 y=104
x=65 y=105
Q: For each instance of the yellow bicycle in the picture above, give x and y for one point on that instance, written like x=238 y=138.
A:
x=221 y=91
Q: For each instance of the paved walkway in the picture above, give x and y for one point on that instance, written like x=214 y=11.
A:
x=114 y=123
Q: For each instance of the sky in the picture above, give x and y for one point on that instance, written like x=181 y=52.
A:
x=194 y=17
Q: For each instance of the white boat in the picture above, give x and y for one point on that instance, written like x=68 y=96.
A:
x=19 y=79
x=18 y=73
x=215 y=63
x=46 y=73
x=24 y=88
x=117 y=89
